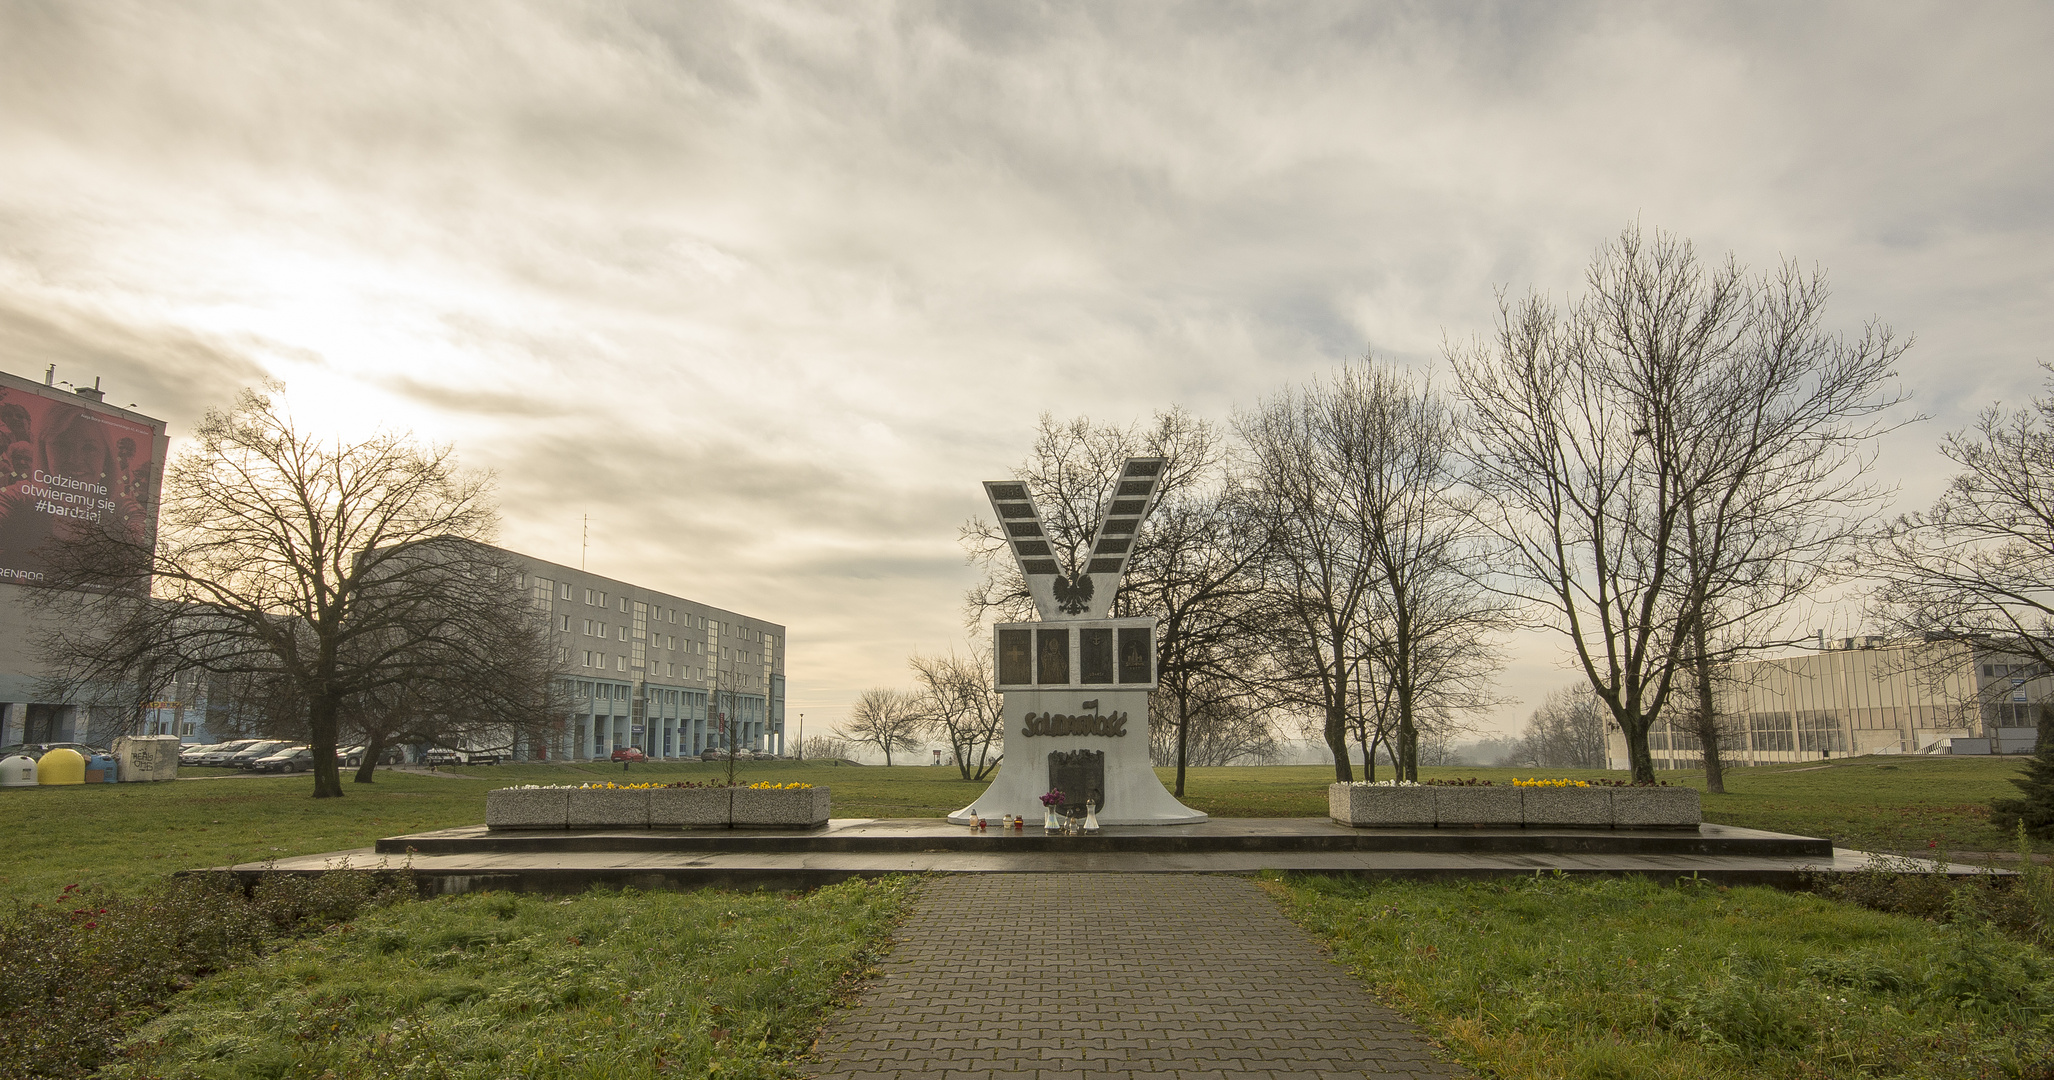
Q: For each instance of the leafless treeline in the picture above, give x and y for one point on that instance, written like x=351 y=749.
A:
x=1656 y=471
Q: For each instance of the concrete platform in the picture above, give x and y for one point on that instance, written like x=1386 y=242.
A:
x=1276 y=835
x=473 y=859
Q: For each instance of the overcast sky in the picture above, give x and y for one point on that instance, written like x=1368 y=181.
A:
x=765 y=290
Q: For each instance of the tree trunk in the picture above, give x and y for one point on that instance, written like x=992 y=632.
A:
x=321 y=731
x=1638 y=758
x=1183 y=735
x=1407 y=762
x=1337 y=741
x=1708 y=719
x=374 y=747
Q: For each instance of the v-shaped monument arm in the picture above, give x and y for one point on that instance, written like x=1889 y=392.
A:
x=1089 y=594
x=1119 y=527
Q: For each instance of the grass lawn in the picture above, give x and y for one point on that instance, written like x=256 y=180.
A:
x=607 y=984
x=124 y=835
x=1548 y=978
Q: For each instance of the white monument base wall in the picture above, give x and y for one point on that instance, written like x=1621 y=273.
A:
x=1133 y=794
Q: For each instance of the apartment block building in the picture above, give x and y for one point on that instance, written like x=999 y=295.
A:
x=670 y=676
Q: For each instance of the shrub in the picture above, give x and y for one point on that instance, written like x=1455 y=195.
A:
x=77 y=974
x=2034 y=811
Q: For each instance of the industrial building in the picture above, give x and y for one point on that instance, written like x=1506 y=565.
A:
x=1866 y=695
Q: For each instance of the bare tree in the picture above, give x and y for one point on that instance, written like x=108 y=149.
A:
x=1196 y=576
x=827 y=748
x=1215 y=722
x=329 y=569
x=1670 y=459
x=1374 y=553
x=961 y=702
x=1978 y=566
x=1566 y=731
x=509 y=700
x=886 y=718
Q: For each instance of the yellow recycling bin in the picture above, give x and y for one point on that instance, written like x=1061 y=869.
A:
x=61 y=766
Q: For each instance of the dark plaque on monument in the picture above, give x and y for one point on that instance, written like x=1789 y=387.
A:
x=1052 y=656
x=1015 y=658
x=1079 y=775
x=1136 y=653
x=1095 y=655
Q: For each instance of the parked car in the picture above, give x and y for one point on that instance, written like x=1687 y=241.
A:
x=219 y=755
x=629 y=753
x=191 y=755
x=444 y=756
x=241 y=758
x=290 y=759
x=353 y=756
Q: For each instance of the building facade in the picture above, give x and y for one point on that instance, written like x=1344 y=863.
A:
x=69 y=461
x=669 y=676
x=1856 y=696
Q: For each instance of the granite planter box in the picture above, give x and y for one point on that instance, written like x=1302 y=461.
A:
x=1656 y=807
x=529 y=808
x=1496 y=807
x=690 y=808
x=790 y=808
x=609 y=808
x=1384 y=807
x=1566 y=807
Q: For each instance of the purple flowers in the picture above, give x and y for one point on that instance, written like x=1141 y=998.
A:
x=1053 y=798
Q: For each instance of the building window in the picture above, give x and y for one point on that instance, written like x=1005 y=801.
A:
x=567 y=591
x=564 y=623
x=623 y=603
x=620 y=663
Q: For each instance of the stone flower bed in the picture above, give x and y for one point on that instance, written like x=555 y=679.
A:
x=658 y=806
x=1544 y=805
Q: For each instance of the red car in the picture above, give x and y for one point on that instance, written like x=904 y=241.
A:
x=629 y=753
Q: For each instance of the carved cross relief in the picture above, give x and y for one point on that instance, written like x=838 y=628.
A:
x=1064 y=593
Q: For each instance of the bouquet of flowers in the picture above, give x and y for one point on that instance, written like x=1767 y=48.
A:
x=1054 y=798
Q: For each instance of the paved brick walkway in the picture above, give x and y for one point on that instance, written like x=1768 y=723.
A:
x=1122 y=976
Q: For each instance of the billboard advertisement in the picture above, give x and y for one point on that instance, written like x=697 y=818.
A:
x=68 y=467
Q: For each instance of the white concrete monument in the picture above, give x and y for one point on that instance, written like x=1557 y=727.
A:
x=1076 y=683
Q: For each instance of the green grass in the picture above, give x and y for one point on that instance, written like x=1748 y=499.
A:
x=124 y=835
x=1545 y=978
x=701 y=983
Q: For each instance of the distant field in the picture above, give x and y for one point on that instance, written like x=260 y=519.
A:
x=124 y=834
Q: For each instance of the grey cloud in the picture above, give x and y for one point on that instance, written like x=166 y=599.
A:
x=772 y=286
x=163 y=371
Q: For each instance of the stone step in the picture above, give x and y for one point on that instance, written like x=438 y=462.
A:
x=1222 y=835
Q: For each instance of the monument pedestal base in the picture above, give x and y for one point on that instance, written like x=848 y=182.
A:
x=1094 y=741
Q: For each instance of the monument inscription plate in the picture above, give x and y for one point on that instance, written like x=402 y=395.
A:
x=1080 y=776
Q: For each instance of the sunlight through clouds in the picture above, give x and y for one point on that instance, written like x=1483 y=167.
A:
x=765 y=289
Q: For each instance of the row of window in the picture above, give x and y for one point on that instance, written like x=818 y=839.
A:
x=665 y=669
x=656 y=641
x=544 y=587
